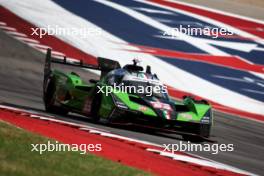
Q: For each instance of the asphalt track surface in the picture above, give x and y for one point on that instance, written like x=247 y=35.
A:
x=21 y=75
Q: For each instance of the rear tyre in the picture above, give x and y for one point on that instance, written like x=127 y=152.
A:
x=96 y=108
x=49 y=99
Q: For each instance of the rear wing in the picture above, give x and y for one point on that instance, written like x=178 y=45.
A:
x=104 y=65
x=107 y=65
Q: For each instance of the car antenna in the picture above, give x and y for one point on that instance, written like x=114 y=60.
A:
x=148 y=69
x=136 y=61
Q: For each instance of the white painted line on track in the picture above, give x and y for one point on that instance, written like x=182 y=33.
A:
x=54 y=53
x=27 y=40
x=154 y=11
x=93 y=129
x=57 y=53
x=16 y=33
x=2 y=23
x=199 y=161
x=39 y=46
x=8 y=28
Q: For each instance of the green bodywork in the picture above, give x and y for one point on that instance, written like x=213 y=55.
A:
x=77 y=96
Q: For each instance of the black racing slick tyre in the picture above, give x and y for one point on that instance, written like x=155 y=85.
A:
x=205 y=130
x=202 y=131
x=49 y=98
x=95 y=108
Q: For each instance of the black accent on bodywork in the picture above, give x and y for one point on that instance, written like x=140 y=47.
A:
x=107 y=65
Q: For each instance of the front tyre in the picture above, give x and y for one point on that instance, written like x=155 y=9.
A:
x=202 y=131
x=49 y=98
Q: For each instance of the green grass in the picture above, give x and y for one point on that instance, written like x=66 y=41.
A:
x=16 y=158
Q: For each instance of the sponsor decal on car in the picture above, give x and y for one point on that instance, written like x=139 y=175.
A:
x=186 y=116
x=87 y=106
x=142 y=108
x=160 y=105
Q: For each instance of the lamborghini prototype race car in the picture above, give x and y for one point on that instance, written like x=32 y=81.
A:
x=68 y=92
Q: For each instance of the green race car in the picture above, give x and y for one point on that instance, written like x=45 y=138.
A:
x=108 y=98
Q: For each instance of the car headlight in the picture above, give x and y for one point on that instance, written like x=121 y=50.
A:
x=207 y=118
